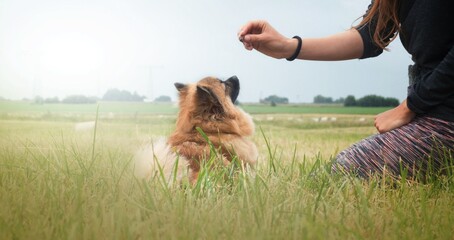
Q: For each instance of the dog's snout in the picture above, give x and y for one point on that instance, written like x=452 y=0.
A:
x=234 y=85
x=233 y=82
x=233 y=79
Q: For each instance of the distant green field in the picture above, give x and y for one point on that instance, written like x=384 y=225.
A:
x=313 y=109
x=106 y=107
x=169 y=108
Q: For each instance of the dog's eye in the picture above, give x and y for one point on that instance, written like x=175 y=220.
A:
x=220 y=81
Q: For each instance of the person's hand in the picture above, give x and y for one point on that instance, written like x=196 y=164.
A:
x=261 y=36
x=394 y=118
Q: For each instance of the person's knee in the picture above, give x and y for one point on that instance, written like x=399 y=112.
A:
x=341 y=164
x=344 y=163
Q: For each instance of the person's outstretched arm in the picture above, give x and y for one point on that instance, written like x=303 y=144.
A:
x=261 y=36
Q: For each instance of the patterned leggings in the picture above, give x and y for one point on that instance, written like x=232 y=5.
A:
x=425 y=144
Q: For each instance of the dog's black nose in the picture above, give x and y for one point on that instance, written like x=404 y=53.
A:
x=234 y=85
x=233 y=79
x=179 y=86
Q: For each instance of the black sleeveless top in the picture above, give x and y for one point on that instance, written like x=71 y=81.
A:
x=427 y=33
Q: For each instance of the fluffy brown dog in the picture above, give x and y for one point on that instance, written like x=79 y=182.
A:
x=208 y=105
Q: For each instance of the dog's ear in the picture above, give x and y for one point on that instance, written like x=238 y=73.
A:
x=205 y=95
x=180 y=86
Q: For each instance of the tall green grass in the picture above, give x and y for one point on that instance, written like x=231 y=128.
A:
x=58 y=183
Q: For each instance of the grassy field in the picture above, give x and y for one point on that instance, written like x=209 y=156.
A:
x=169 y=108
x=62 y=181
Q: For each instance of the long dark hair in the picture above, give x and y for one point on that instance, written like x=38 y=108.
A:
x=383 y=13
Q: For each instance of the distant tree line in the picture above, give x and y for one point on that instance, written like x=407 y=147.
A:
x=79 y=99
x=122 y=95
x=72 y=99
x=322 y=99
x=371 y=101
x=366 y=101
x=163 y=98
x=274 y=99
x=110 y=95
x=51 y=100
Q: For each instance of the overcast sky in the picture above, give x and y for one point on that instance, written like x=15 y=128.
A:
x=57 y=48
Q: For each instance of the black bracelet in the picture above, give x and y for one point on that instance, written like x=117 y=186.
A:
x=298 y=49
